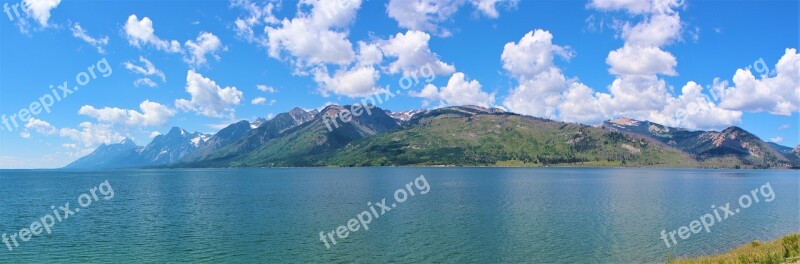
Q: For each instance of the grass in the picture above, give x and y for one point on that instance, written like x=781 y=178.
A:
x=783 y=250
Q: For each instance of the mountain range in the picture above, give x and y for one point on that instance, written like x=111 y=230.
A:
x=448 y=136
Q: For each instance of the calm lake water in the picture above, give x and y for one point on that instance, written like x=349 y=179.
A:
x=484 y=215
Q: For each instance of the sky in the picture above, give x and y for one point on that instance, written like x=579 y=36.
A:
x=77 y=74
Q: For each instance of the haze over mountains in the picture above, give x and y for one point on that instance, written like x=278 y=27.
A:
x=457 y=136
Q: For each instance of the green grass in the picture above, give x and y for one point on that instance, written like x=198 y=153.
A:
x=783 y=250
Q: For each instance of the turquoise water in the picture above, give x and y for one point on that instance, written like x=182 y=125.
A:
x=468 y=215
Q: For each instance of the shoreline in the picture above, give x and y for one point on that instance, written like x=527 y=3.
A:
x=415 y=166
x=785 y=249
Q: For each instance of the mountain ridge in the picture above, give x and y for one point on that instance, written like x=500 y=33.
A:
x=454 y=136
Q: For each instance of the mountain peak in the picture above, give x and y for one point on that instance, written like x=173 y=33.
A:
x=176 y=130
x=127 y=141
x=257 y=123
x=734 y=129
x=332 y=109
x=297 y=110
x=624 y=121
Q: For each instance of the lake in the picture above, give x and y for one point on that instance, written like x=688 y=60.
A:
x=484 y=215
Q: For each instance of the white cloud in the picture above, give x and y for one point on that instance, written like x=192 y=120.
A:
x=776 y=139
x=258 y=100
x=265 y=88
x=637 y=92
x=141 y=32
x=147 y=69
x=459 y=91
x=208 y=98
x=638 y=60
x=358 y=82
x=81 y=33
x=632 y=6
x=532 y=55
x=541 y=83
x=206 y=43
x=423 y=15
x=25 y=134
x=489 y=7
x=152 y=114
x=256 y=15
x=312 y=38
x=580 y=105
x=40 y=126
x=429 y=15
x=90 y=134
x=538 y=95
x=144 y=82
x=637 y=6
x=369 y=54
x=777 y=94
x=657 y=30
x=154 y=134
x=412 y=53
x=40 y=9
x=694 y=110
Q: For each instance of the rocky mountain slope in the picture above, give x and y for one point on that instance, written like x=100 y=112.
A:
x=458 y=136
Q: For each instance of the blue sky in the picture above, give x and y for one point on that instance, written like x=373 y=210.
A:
x=202 y=65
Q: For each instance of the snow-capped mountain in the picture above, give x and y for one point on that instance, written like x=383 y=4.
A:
x=118 y=155
x=173 y=146
x=404 y=116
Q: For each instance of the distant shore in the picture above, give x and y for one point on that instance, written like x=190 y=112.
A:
x=782 y=250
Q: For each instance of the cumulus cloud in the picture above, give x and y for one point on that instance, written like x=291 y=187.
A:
x=412 y=53
x=459 y=91
x=694 y=110
x=358 y=82
x=777 y=93
x=141 y=32
x=146 y=69
x=656 y=30
x=580 y=105
x=152 y=114
x=205 y=44
x=208 y=98
x=40 y=9
x=638 y=60
x=637 y=92
x=776 y=139
x=90 y=134
x=533 y=54
x=317 y=37
x=81 y=33
x=40 y=126
x=541 y=83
